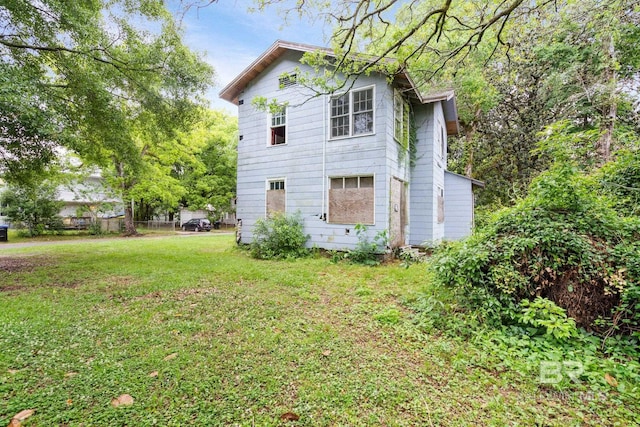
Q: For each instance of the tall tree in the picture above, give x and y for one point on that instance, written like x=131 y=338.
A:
x=212 y=181
x=517 y=67
x=112 y=80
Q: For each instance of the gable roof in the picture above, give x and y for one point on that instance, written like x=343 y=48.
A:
x=232 y=90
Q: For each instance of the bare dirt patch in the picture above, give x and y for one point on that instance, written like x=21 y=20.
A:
x=22 y=264
x=12 y=267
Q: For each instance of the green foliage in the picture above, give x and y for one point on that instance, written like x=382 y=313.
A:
x=389 y=317
x=113 y=80
x=367 y=252
x=95 y=228
x=560 y=242
x=210 y=179
x=279 y=236
x=34 y=207
x=546 y=315
x=621 y=180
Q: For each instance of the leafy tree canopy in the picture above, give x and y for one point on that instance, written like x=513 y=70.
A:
x=110 y=80
x=211 y=181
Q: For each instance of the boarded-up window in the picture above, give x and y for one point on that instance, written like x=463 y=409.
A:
x=276 y=197
x=440 y=205
x=351 y=200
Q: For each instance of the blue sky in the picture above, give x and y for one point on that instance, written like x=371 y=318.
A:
x=231 y=37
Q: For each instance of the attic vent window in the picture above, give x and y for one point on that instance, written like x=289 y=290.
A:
x=288 y=80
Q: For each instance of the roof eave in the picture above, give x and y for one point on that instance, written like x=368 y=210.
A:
x=231 y=91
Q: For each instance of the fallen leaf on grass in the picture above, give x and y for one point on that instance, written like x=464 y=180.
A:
x=69 y=402
x=153 y=374
x=122 y=400
x=611 y=380
x=17 y=419
x=13 y=371
x=70 y=374
x=171 y=356
x=289 y=416
x=326 y=352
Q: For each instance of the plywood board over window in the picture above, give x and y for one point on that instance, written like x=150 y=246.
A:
x=276 y=197
x=440 y=205
x=397 y=215
x=351 y=200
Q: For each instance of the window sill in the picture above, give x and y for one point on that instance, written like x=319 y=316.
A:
x=339 y=138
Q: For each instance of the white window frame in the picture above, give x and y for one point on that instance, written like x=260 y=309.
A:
x=267 y=187
x=351 y=114
x=402 y=124
x=442 y=149
x=271 y=126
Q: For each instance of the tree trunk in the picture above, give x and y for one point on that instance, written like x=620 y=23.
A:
x=469 y=146
x=610 y=105
x=129 y=225
x=125 y=187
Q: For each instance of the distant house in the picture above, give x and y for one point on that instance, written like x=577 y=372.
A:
x=87 y=199
x=84 y=200
x=343 y=159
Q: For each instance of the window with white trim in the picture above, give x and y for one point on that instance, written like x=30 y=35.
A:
x=276 y=196
x=351 y=200
x=400 y=119
x=443 y=142
x=352 y=113
x=278 y=127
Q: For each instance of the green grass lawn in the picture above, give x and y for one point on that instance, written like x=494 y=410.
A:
x=198 y=333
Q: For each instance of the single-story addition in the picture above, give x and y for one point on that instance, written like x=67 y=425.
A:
x=344 y=159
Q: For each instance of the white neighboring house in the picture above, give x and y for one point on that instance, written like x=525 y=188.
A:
x=343 y=159
x=86 y=200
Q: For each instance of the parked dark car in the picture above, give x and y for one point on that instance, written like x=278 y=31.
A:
x=197 y=224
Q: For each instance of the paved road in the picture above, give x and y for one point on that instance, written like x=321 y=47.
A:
x=9 y=245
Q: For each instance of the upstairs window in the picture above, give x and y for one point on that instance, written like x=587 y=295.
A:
x=352 y=113
x=278 y=127
x=400 y=119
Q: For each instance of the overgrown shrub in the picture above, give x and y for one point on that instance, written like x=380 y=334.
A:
x=33 y=208
x=95 y=228
x=279 y=236
x=564 y=243
x=367 y=251
x=621 y=180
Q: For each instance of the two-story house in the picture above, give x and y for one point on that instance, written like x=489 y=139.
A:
x=373 y=154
